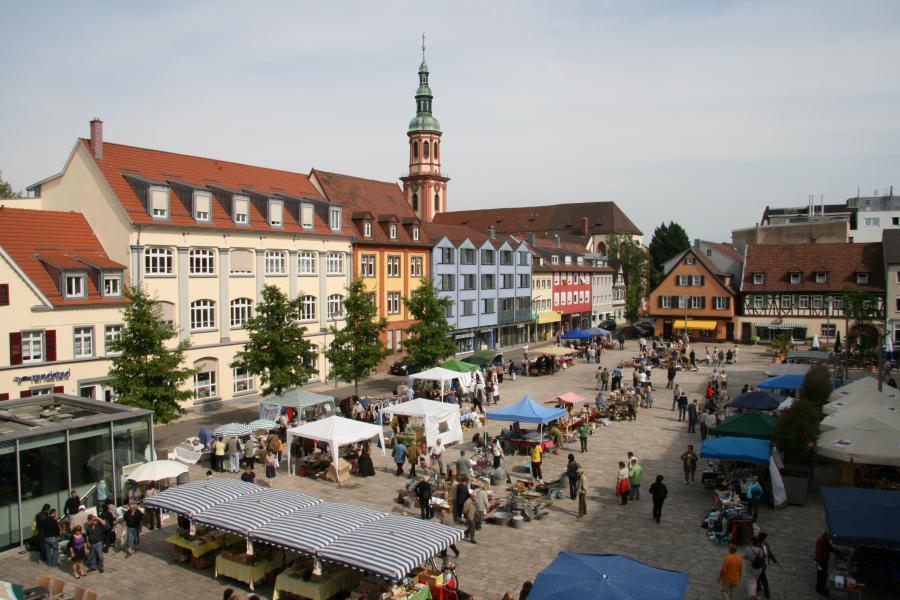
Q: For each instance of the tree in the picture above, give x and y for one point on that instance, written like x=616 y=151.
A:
x=817 y=386
x=144 y=372
x=797 y=430
x=429 y=338
x=668 y=241
x=861 y=308
x=357 y=349
x=277 y=352
x=635 y=268
x=6 y=190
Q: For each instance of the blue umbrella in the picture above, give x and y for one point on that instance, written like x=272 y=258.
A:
x=758 y=400
x=606 y=577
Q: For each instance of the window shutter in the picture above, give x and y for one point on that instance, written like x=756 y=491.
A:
x=4 y=294
x=201 y=202
x=15 y=348
x=660 y=301
x=306 y=215
x=50 y=341
x=59 y=389
x=25 y=394
x=241 y=261
x=159 y=199
x=727 y=303
x=242 y=206
x=275 y=213
x=702 y=279
x=702 y=300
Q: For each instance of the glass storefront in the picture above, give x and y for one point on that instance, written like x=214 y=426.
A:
x=9 y=496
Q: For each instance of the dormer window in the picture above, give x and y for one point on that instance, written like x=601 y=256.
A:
x=202 y=206
x=112 y=285
x=554 y=260
x=862 y=277
x=306 y=215
x=579 y=260
x=159 y=202
x=689 y=260
x=367 y=229
x=759 y=278
x=392 y=231
x=241 y=210
x=568 y=260
x=334 y=218
x=415 y=233
x=821 y=277
x=276 y=213
x=795 y=277
x=75 y=285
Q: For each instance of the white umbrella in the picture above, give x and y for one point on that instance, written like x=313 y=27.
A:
x=233 y=430
x=815 y=342
x=158 y=469
x=263 y=424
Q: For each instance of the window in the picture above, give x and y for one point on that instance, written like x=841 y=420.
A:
x=803 y=302
x=159 y=202
x=373 y=300
x=241 y=263
x=367 y=265
x=682 y=301
x=554 y=260
x=758 y=302
x=392 y=231
x=665 y=301
x=446 y=283
x=334 y=218
x=467 y=256
x=241 y=209
x=506 y=304
x=488 y=282
x=829 y=329
x=721 y=302
x=203 y=315
x=523 y=258
x=448 y=311
x=862 y=277
x=415 y=202
x=817 y=302
x=306 y=263
x=872 y=221
x=201 y=261
x=367 y=229
x=393 y=303
x=415 y=266
x=446 y=256
x=157 y=261
x=308 y=308
x=524 y=280
x=785 y=302
x=83 y=346
x=276 y=213
x=32 y=346
x=437 y=203
x=202 y=206
x=567 y=259
x=243 y=380
x=821 y=277
x=425 y=149
x=895 y=220
x=555 y=298
x=556 y=278
x=568 y=297
x=487 y=257
x=75 y=285
x=415 y=233
x=275 y=262
x=696 y=280
x=334 y=263
x=681 y=280
x=307 y=215
x=415 y=149
x=795 y=278
x=689 y=260
x=205 y=379
x=112 y=284
x=335 y=306
x=241 y=312
x=837 y=304
x=506 y=257
x=579 y=260
x=467 y=282
x=393 y=266
x=468 y=308
x=112 y=334
x=759 y=278
x=487 y=306
x=507 y=281
x=4 y=294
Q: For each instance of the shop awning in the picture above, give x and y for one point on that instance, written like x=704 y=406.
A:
x=192 y=498
x=783 y=325
x=313 y=528
x=694 y=324
x=548 y=316
x=252 y=511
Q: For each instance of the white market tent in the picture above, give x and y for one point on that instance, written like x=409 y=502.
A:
x=441 y=419
x=869 y=442
x=864 y=409
x=445 y=376
x=303 y=401
x=337 y=432
x=862 y=390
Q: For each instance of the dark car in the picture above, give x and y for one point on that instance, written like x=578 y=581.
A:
x=609 y=325
x=485 y=359
x=402 y=367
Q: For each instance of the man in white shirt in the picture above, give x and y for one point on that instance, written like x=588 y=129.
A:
x=437 y=457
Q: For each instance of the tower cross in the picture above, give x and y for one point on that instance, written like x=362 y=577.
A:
x=423 y=46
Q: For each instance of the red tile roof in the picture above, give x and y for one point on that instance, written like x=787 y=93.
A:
x=41 y=241
x=380 y=201
x=567 y=247
x=841 y=262
x=163 y=167
x=457 y=234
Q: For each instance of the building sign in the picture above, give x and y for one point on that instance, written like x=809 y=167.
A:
x=48 y=377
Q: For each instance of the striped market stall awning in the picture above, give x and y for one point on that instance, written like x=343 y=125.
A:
x=247 y=513
x=192 y=498
x=391 y=547
x=233 y=430
x=311 y=529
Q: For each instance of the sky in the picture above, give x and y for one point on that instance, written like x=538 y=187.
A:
x=701 y=112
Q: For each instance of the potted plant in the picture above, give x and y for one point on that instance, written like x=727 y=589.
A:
x=755 y=339
x=780 y=345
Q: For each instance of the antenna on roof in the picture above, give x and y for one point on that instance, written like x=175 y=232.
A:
x=423 y=45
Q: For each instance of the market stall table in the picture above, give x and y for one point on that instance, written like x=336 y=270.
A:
x=251 y=573
x=331 y=583
x=198 y=550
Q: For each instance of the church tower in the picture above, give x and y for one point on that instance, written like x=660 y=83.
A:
x=424 y=186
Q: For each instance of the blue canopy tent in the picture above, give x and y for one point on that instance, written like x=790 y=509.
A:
x=749 y=450
x=576 y=334
x=863 y=517
x=758 y=400
x=791 y=383
x=606 y=577
x=527 y=411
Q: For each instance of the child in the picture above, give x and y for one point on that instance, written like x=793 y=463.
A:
x=78 y=548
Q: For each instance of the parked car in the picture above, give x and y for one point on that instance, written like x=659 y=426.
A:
x=402 y=367
x=609 y=325
x=485 y=359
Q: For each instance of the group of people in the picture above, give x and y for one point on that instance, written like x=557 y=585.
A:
x=245 y=451
x=758 y=557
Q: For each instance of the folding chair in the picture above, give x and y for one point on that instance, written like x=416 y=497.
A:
x=57 y=589
x=43 y=581
x=91 y=595
x=80 y=593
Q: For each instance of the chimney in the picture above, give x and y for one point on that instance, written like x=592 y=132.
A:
x=492 y=231
x=558 y=243
x=584 y=226
x=97 y=138
x=532 y=239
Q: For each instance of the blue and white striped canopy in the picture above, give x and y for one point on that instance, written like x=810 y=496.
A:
x=192 y=498
x=263 y=424
x=252 y=511
x=391 y=547
x=233 y=430
x=311 y=529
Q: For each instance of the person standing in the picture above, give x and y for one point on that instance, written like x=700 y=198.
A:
x=271 y=471
x=71 y=507
x=95 y=534
x=50 y=533
x=676 y=394
x=470 y=514
x=496 y=392
x=692 y=416
x=704 y=428
x=78 y=549
x=689 y=462
x=464 y=466
x=622 y=483
x=399 y=456
x=583 y=432
x=424 y=492
x=412 y=455
x=572 y=469
x=37 y=538
x=599 y=377
x=536 y=456
x=693 y=357
x=604 y=379
x=823 y=557
x=437 y=457
x=755 y=493
x=670 y=376
x=108 y=519
x=250 y=452
x=658 y=492
x=219 y=455
x=134 y=520
x=154 y=519
x=233 y=449
x=730 y=573
x=634 y=479
x=581 y=490
x=682 y=406
x=496 y=452
x=617 y=378
x=769 y=559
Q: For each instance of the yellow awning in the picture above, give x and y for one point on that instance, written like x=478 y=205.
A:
x=692 y=324
x=549 y=316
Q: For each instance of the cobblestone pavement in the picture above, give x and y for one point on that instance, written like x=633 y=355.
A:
x=505 y=557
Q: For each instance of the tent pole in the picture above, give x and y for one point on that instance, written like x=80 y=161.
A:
x=335 y=452
x=289 y=440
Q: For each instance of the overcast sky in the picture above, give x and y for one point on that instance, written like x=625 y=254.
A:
x=698 y=112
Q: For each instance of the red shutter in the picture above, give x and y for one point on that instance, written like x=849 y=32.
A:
x=4 y=396
x=4 y=294
x=25 y=394
x=59 y=389
x=15 y=348
x=50 y=341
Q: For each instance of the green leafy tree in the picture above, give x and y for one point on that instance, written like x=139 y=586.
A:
x=862 y=308
x=357 y=348
x=797 y=430
x=635 y=268
x=145 y=373
x=817 y=386
x=668 y=241
x=6 y=190
x=277 y=352
x=781 y=344
x=429 y=338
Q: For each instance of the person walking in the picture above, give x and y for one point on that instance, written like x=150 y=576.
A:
x=676 y=394
x=769 y=559
x=572 y=469
x=822 y=558
x=617 y=378
x=755 y=493
x=670 y=376
x=689 y=462
x=581 y=490
x=692 y=416
x=50 y=532
x=599 y=377
x=95 y=534
x=634 y=479
x=424 y=492
x=436 y=454
x=756 y=557
x=730 y=573
x=536 y=458
x=682 y=406
x=399 y=453
x=622 y=483
x=412 y=455
x=583 y=432
x=658 y=492
x=470 y=514
x=604 y=380
x=134 y=521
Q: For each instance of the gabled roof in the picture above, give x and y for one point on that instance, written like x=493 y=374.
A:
x=458 y=234
x=381 y=202
x=603 y=218
x=39 y=242
x=841 y=261
x=121 y=163
x=707 y=264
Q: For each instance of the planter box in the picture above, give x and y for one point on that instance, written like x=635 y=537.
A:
x=797 y=488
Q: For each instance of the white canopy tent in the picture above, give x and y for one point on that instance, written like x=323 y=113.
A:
x=872 y=408
x=445 y=376
x=864 y=390
x=868 y=442
x=441 y=419
x=337 y=432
